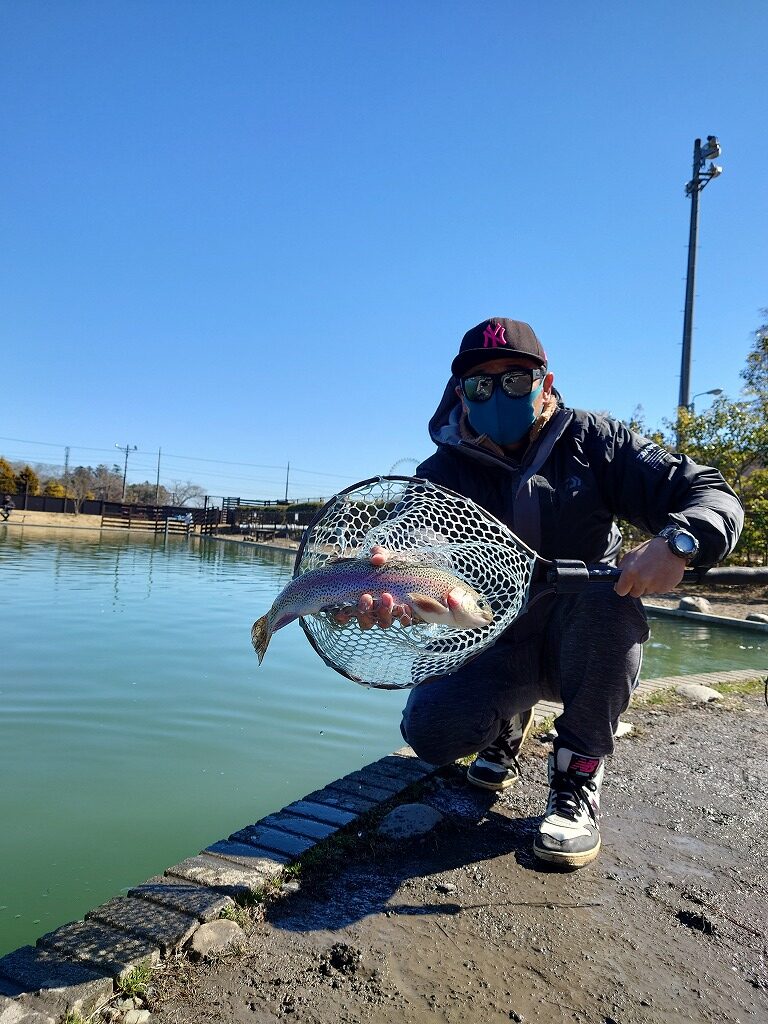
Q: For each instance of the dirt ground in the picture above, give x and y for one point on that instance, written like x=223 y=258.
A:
x=668 y=925
x=735 y=602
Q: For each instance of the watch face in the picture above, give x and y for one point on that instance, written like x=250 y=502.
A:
x=684 y=543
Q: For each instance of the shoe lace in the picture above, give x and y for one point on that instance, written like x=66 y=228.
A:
x=569 y=796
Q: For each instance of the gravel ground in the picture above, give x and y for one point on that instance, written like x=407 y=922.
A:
x=667 y=926
x=735 y=602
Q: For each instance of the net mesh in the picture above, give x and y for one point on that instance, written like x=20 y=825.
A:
x=434 y=526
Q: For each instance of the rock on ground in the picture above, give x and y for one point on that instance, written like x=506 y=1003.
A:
x=409 y=821
x=215 y=937
x=695 y=604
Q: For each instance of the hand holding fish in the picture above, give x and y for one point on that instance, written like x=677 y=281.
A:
x=371 y=612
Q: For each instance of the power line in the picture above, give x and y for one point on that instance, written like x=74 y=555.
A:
x=186 y=458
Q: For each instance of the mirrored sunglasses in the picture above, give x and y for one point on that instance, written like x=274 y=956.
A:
x=514 y=383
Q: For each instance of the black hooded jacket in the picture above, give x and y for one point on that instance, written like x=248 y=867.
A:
x=582 y=473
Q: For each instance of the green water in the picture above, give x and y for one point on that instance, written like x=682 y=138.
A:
x=136 y=726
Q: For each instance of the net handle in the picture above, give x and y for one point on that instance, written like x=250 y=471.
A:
x=571 y=577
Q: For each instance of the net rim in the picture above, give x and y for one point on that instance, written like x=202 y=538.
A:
x=333 y=503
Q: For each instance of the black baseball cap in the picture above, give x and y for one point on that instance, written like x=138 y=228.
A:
x=494 y=338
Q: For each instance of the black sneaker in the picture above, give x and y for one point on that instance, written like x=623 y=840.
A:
x=496 y=766
x=570 y=832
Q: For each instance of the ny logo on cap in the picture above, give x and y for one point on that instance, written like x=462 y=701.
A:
x=493 y=336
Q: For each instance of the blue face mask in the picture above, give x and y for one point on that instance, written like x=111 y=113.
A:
x=505 y=420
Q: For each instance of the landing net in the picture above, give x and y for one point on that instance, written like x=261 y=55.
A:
x=432 y=526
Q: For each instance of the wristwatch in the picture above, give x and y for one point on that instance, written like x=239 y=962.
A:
x=681 y=542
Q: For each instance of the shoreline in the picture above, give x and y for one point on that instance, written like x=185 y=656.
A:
x=79 y=966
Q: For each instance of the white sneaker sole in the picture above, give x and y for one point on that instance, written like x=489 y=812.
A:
x=569 y=860
x=494 y=786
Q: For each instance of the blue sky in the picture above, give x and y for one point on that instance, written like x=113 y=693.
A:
x=252 y=233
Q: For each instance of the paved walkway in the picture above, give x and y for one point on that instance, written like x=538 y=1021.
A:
x=76 y=966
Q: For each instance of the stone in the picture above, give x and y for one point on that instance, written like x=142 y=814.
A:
x=215 y=937
x=698 y=694
x=12 y=1012
x=138 y=1016
x=286 y=845
x=65 y=983
x=374 y=779
x=400 y=767
x=222 y=875
x=409 y=821
x=623 y=729
x=166 y=928
x=374 y=793
x=104 y=948
x=689 y=603
x=238 y=850
x=357 y=805
x=290 y=887
x=320 y=812
x=757 y=617
x=300 y=826
x=202 y=903
x=445 y=887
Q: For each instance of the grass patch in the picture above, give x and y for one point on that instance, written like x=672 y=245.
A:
x=241 y=915
x=754 y=686
x=543 y=727
x=658 y=698
x=136 y=982
x=75 y=1017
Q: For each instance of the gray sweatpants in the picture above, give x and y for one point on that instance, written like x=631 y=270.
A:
x=584 y=650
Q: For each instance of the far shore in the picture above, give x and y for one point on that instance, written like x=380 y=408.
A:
x=732 y=602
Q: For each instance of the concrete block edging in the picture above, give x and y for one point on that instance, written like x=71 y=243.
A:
x=78 y=967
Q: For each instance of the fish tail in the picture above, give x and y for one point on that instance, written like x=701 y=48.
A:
x=261 y=634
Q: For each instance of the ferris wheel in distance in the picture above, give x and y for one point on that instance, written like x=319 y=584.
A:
x=403 y=467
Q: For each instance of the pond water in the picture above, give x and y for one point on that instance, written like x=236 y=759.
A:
x=136 y=726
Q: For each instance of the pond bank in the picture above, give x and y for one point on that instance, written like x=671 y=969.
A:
x=78 y=965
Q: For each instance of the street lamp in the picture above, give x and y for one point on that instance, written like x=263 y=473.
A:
x=128 y=448
x=700 y=179
x=714 y=391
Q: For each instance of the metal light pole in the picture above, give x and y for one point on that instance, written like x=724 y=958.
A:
x=128 y=448
x=714 y=391
x=700 y=179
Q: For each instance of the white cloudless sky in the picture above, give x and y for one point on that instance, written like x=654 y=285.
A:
x=250 y=233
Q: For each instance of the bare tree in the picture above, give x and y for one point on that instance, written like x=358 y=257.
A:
x=187 y=493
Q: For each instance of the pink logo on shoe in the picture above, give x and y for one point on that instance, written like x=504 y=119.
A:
x=493 y=336
x=584 y=765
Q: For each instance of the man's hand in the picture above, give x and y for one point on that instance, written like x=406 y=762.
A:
x=650 y=568
x=381 y=613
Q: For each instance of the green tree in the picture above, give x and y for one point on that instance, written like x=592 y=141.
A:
x=27 y=481
x=7 y=477
x=755 y=373
x=54 y=489
x=733 y=438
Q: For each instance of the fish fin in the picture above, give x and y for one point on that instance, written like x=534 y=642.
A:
x=427 y=605
x=261 y=634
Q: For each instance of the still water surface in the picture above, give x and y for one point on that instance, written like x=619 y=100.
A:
x=136 y=726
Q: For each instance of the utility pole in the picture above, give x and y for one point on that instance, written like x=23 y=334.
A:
x=128 y=448
x=157 y=485
x=287 y=473
x=66 y=476
x=700 y=179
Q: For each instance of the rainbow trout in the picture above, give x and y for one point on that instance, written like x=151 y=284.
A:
x=342 y=581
